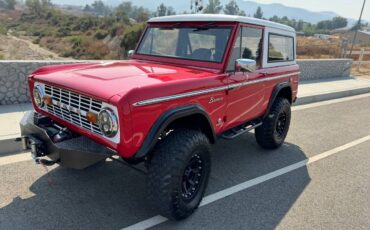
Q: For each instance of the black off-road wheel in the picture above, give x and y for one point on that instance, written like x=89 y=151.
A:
x=275 y=127
x=178 y=173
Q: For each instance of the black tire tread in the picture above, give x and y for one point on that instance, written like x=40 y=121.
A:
x=168 y=157
x=264 y=134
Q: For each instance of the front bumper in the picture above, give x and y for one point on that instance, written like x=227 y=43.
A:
x=78 y=152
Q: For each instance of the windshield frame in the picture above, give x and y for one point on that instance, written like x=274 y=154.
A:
x=185 y=61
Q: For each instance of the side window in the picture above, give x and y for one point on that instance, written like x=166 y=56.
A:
x=252 y=42
x=248 y=45
x=281 y=48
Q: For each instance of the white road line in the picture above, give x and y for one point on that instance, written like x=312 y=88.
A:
x=15 y=159
x=156 y=220
x=329 y=102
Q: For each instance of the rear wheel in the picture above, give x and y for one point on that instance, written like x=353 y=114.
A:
x=272 y=133
x=178 y=173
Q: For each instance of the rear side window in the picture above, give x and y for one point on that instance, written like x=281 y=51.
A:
x=281 y=48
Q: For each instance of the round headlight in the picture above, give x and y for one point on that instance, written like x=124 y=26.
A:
x=38 y=96
x=108 y=123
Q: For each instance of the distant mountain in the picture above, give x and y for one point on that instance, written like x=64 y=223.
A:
x=249 y=7
x=269 y=10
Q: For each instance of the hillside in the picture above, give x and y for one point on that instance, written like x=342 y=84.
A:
x=13 y=48
x=248 y=6
x=65 y=35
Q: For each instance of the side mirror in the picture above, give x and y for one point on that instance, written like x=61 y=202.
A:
x=130 y=53
x=245 y=65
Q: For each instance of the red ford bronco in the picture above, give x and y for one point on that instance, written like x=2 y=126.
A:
x=191 y=80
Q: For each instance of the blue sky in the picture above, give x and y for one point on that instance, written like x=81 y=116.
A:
x=346 y=8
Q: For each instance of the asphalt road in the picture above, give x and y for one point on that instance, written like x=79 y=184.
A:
x=326 y=193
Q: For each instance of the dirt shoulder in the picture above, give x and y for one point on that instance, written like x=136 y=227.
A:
x=13 y=48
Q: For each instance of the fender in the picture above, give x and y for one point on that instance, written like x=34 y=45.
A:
x=166 y=119
x=275 y=93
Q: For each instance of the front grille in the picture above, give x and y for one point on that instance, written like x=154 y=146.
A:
x=79 y=103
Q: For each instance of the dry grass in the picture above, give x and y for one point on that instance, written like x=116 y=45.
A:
x=10 y=15
x=315 y=48
x=364 y=70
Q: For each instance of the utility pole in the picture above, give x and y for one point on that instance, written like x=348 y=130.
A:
x=357 y=28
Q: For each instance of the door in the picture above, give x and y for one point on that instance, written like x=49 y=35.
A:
x=246 y=95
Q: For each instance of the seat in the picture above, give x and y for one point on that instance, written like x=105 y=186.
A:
x=202 y=54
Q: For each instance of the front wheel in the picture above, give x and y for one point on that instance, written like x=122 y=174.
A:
x=178 y=173
x=272 y=133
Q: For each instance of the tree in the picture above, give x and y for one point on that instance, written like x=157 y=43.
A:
x=33 y=5
x=213 y=7
x=87 y=8
x=99 y=8
x=300 y=25
x=232 y=8
x=141 y=14
x=161 y=10
x=325 y=25
x=125 y=7
x=170 y=11
x=259 y=13
x=339 y=22
x=196 y=6
x=242 y=13
x=8 y=4
x=275 y=18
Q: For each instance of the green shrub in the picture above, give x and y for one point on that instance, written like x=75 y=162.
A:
x=101 y=34
x=36 y=41
x=64 y=32
x=2 y=57
x=3 y=30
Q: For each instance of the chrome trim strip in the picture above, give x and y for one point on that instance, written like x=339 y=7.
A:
x=232 y=86
x=211 y=90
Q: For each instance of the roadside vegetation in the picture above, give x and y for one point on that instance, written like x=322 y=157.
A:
x=90 y=36
x=97 y=31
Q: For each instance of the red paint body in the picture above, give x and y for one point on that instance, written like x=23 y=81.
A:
x=124 y=83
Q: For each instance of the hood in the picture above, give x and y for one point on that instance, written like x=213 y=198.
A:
x=105 y=80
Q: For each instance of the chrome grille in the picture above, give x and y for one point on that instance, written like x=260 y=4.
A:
x=77 y=102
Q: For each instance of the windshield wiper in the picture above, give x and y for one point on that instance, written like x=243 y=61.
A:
x=201 y=29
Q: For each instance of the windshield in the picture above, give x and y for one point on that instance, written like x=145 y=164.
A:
x=201 y=44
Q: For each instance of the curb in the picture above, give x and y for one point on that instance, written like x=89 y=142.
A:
x=331 y=96
x=10 y=147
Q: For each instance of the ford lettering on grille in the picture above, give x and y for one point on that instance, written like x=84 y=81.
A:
x=73 y=107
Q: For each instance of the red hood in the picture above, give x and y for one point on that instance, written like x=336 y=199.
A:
x=105 y=80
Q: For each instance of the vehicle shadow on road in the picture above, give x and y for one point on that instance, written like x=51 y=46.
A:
x=109 y=196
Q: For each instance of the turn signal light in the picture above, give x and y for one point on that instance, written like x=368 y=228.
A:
x=48 y=100
x=92 y=117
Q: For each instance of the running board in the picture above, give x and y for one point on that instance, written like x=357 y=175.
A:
x=236 y=132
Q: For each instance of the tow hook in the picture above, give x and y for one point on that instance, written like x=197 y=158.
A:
x=36 y=147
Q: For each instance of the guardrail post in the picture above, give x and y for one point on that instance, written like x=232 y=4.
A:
x=360 y=59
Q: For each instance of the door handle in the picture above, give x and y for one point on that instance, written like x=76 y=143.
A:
x=265 y=73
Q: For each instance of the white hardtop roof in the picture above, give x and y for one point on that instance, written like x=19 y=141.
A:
x=221 y=18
